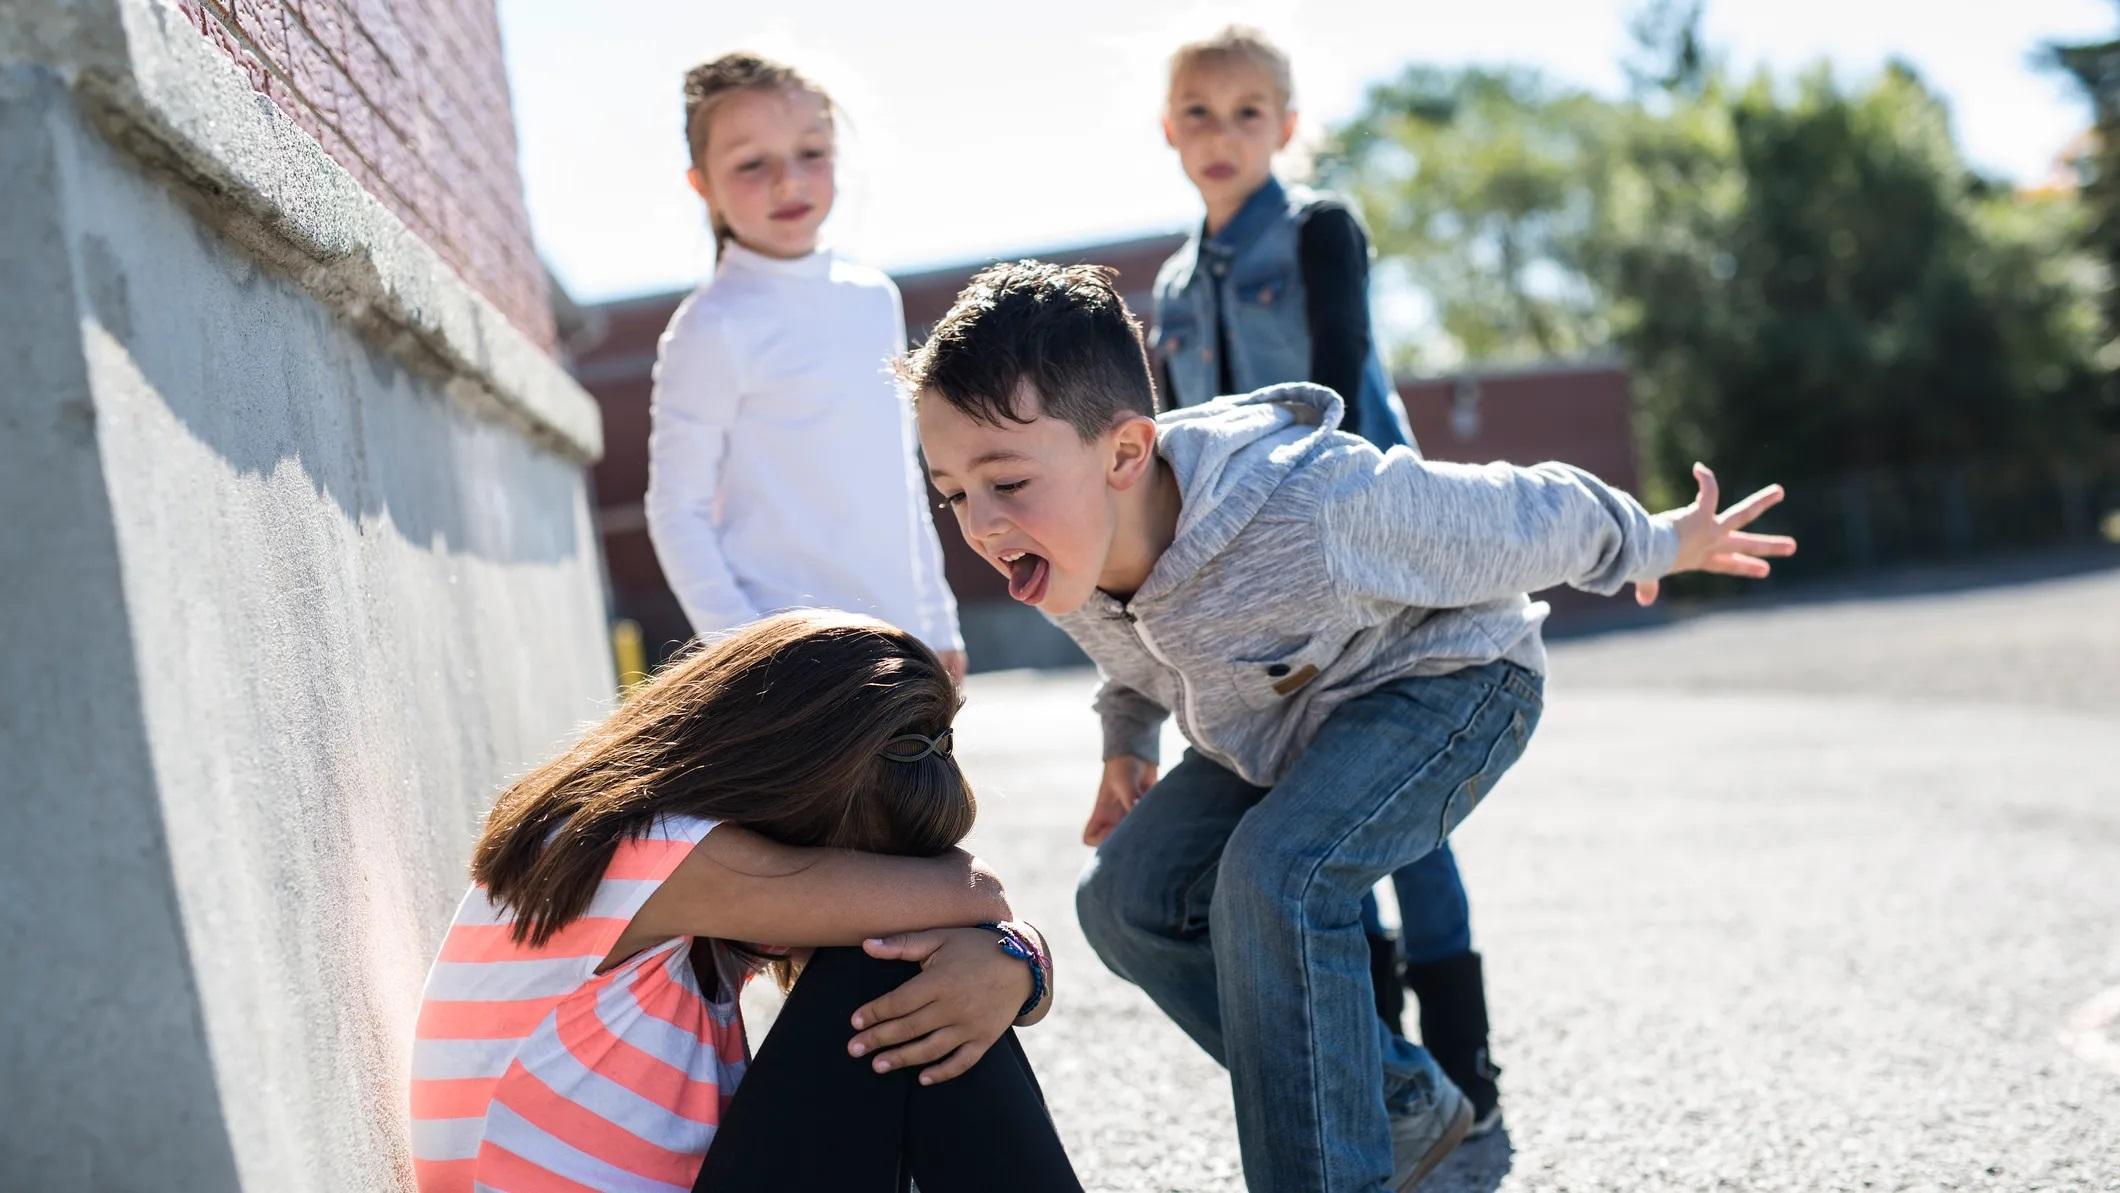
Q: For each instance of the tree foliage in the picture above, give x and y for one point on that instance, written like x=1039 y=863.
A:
x=1806 y=277
x=2096 y=68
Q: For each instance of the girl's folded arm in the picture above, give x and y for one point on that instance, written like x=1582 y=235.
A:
x=739 y=885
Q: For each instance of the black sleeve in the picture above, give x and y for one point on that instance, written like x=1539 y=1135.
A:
x=1333 y=254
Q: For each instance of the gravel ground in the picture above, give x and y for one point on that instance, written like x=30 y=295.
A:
x=1798 y=897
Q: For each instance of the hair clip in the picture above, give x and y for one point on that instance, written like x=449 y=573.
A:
x=897 y=748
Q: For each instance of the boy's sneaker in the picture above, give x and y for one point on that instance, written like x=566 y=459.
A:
x=1423 y=1139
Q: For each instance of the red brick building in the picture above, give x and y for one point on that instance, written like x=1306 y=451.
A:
x=1580 y=414
x=411 y=97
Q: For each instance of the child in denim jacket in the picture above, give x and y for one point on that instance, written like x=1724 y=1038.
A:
x=1274 y=288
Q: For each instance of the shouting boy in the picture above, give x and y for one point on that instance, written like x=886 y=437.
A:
x=1344 y=637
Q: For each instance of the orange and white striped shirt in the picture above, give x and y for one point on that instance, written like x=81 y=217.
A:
x=533 y=1072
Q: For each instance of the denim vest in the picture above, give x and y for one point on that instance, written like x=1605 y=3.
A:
x=1249 y=273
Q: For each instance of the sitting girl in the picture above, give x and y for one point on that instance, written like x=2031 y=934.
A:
x=791 y=782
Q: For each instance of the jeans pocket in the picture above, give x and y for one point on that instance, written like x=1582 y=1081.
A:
x=1504 y=746
x=1525 y=684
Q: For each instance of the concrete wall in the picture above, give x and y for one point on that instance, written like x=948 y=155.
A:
x=297 y=567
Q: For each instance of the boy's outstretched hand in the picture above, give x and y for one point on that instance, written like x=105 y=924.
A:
x=1712 y=542
x=1125 y=780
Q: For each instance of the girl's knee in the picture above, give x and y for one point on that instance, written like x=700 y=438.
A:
x=850 y=976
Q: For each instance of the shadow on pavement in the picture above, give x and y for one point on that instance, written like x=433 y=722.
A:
x=1477 y=1167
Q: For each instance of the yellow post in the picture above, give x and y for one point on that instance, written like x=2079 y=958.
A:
x=628 y=652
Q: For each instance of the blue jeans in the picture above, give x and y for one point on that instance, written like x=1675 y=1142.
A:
x=1238 y=910
x=1435 y=919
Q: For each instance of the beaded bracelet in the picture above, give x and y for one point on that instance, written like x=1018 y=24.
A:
x=1023 y=947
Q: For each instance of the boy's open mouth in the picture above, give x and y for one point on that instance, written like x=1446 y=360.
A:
x=1028 y=573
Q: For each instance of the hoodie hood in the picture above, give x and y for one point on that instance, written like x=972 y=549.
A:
x=1228 y=457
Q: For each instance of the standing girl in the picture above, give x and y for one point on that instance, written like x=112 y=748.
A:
x=581 y=1028
x=781 y=468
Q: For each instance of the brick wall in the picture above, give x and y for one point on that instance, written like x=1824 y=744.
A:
x=411 y=97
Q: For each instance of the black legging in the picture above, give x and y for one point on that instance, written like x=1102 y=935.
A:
x=808 y=1116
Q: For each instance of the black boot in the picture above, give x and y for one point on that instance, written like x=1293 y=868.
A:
x=1453 y=998
x=1384 y=975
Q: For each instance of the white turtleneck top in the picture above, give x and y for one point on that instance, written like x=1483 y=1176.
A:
x=782 y=466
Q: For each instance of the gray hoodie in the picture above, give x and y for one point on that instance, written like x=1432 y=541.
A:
x=1310 y=568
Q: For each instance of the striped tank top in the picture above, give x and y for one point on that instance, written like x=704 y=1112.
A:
x=533 y=1072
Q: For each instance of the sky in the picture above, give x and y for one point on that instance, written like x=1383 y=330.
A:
x=981 y=130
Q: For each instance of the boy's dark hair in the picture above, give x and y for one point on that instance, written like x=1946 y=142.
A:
x=1063 y=330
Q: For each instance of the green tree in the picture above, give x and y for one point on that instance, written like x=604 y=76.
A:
x=1482 y=185
x=2096 y=68
x=1807 y=280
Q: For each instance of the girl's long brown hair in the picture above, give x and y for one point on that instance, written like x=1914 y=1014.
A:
x=779 y=727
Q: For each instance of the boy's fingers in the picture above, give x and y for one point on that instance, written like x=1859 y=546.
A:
x=1738 y=565
x=1645 y=593
x=898 y=1003
x=1760 y=544
x=1745 y=512
x=1710 y=491
x=1109 y=810
x=897 y=1031
x=927 y=1049
x=956 y=1064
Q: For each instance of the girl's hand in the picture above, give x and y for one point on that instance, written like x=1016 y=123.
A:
x=966 y=996
x=1712 y=542
x=1125 y=780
